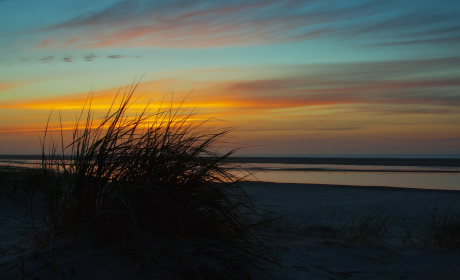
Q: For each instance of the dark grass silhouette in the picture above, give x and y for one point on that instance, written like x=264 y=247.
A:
x=440 y=226
x=19 y=180
x=154 y=186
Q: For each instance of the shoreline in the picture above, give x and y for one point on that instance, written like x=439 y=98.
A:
x=301 y=169
x=438 y=162
x=351 y=187
x=295 y=196
x=354 y=170
x=382 y=161
x=298 y=176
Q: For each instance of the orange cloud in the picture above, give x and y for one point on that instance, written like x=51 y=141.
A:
x=70 y=41
x=261 y=95
x=46 y=43
x=5 y=86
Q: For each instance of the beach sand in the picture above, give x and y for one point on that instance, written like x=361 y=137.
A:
x=313 y=251
x=308 y=238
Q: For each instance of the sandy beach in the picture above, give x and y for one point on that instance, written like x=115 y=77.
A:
x=308 y=238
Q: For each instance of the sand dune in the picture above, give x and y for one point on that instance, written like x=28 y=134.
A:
x=309 y=238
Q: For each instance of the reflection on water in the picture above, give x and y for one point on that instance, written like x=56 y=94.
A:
x=33 y=163
x=423 y=177
x=440 y=181
x=442 y=178
x=336 y=167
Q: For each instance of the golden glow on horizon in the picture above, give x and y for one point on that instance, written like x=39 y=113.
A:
x=265 y=119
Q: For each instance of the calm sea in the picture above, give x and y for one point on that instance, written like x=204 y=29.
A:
x=419 y=173
x=422 y=177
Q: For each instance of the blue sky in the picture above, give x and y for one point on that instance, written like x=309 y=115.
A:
x=349 y=74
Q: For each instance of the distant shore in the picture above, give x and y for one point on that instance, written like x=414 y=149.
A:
x=380 y=161
x=444 y=162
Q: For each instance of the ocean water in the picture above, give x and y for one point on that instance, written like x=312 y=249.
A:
x=425 y=156
x=439 y=181
x=422 y=177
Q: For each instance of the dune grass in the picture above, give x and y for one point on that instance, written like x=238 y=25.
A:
x=3 y=178
x=440 y=226
x=371 y=225
x=19 y=180
x=154 y=186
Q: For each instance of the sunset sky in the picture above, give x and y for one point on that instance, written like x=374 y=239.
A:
x=295 y=77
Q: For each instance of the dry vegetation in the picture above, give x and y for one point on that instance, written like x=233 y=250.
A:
x=153 y=186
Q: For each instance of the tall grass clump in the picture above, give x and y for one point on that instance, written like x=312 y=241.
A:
x=441 y=227
x=155 y=186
